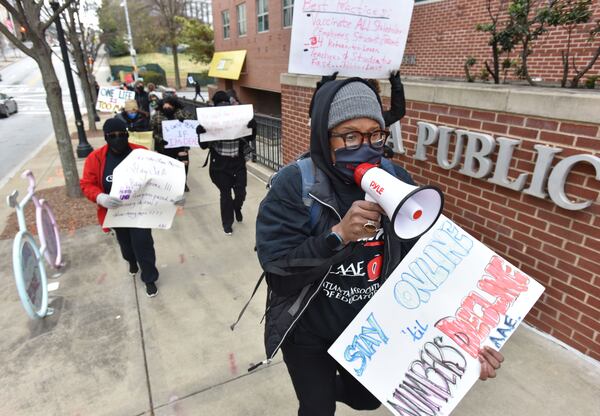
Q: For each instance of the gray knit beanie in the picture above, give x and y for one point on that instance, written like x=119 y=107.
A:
x=354 y=100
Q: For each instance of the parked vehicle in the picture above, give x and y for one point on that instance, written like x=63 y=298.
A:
x=8 y=105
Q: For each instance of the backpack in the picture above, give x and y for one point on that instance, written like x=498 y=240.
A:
x=308 y=174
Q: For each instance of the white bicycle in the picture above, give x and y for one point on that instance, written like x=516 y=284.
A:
x=28 y=258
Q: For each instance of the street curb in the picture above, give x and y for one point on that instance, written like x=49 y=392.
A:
x=261 y=172
x=25 y=160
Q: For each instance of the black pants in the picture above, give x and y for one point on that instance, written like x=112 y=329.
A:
x=319 y=381
x=229 y=174
x=137 y=247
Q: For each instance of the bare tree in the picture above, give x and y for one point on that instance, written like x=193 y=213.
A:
x=28 y=14
x=73 y=25
x=169 y=10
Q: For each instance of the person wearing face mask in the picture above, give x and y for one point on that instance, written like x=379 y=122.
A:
x=170 y=109
x=227 y=168
x=135 y=119
x=137 y=245
x=312 y=263
x=141 y=97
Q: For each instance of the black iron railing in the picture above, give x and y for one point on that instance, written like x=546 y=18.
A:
x=268 y=141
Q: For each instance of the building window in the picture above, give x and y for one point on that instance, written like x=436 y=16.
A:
x=288 y=12
x=225 y=17
x=262 y=12
x=241 y=19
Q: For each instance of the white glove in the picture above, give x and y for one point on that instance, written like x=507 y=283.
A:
x=180 y=201
x=108 y=201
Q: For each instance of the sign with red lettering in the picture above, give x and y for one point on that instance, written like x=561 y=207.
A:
x=415 y=344
x=354 y=37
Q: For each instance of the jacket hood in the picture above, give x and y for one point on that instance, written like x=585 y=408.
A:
x=320 y=151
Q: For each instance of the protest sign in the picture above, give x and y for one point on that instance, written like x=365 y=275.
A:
x=111 y=100
x=142 y=138
x=180 y=133
x=148 y=183
x=225 y=123
x=354 y=37
x=415 y=343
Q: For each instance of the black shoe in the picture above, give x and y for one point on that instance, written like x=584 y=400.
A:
x=238 y=215
x=227 y=230
x=151 y=289
x=187 y=188
x=133 y=269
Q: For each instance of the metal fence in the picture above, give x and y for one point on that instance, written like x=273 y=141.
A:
x=268 y=141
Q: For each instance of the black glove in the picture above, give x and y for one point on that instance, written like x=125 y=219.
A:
x=395 y=79
x=251 y=124
x=327 y=78
x=200 y=129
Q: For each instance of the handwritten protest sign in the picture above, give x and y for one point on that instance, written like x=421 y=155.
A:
x=112 y=99
x=225 y=123
x=415 y=344
x=354 y=37
x=180 y=134
x=148 y=183
x=142 y=138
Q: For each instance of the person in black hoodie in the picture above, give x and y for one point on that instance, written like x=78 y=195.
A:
x=310 y=265
x=135 y=119
x=141 y=96
x=228 y=168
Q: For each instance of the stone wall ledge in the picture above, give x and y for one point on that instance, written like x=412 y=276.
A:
x=546 y=102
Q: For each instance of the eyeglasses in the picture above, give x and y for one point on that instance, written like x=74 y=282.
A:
x=353 y=140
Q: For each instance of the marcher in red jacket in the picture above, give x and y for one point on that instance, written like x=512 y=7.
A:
x=137 y=245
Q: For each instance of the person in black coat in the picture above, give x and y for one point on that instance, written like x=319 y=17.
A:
x=228 y=168
x=135 y=119
x=141 y=97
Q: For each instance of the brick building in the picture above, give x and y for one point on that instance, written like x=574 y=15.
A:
x=559 y=247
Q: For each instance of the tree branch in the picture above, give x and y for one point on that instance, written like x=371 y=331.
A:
x=15 y=41
x=56 y=14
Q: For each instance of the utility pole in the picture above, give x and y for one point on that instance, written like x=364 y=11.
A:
x=83 y=148
x=131 y=48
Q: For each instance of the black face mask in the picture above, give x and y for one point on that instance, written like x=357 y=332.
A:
x=169 y=112
x=346 y=160
x=117 y=144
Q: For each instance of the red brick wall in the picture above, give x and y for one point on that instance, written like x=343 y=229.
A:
x=442 y=35
x=559 y=248
x=267 y=55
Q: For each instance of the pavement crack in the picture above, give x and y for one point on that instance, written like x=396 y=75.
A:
x=137 y=301
x=187 y=396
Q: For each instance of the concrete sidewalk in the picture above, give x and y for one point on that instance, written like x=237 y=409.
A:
x=109 y=350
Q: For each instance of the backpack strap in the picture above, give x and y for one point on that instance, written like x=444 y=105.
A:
x=260 y=279
x=308 y=173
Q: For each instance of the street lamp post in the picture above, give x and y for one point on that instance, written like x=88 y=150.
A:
x=83 y=148
x=131 y=48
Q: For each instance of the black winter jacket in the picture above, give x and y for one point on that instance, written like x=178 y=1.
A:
x=293 y=254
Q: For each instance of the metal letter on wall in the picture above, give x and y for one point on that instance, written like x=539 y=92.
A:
x=558 y=177
x=444 y=144
x=479 y=146
x=505 y=154
x=543 y=165
x=427 y=134
x=395 y=139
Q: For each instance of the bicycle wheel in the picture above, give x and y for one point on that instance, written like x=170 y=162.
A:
x=48 y=233
x=30 y=275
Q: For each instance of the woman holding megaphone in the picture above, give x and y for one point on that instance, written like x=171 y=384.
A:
x=325 y=250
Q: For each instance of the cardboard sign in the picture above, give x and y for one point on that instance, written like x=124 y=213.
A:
x=111 y=100
x=415 y=343
x=228 y=122
x=180 y=134
x=142 y=138
x=354 y=37
x=148 y=183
